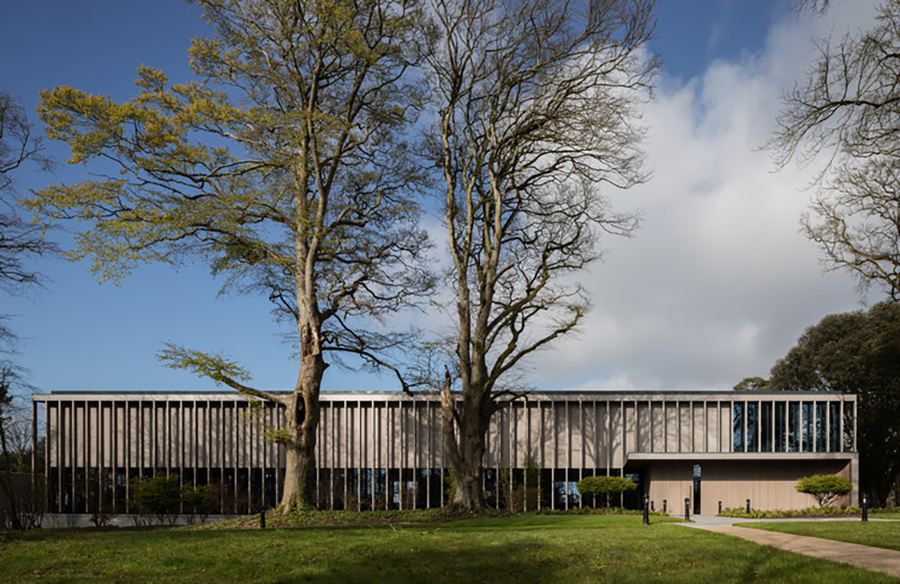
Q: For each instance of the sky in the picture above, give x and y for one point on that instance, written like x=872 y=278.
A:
x=716 y=285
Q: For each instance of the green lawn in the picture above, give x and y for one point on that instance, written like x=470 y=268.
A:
x=883 y=534
x=535 y=548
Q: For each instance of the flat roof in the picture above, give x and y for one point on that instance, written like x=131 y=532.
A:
x=381 y=395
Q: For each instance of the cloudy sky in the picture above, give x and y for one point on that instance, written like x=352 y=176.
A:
x=716 y=285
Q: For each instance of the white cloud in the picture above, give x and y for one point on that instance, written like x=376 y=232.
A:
x=719 y=282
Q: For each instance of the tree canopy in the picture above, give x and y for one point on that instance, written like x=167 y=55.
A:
x=847 y=113
x=284 y=166
x=856 y=353
x=538 y=107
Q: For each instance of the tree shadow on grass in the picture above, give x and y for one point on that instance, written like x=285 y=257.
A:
x=521 y=561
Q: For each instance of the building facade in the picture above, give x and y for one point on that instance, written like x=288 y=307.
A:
x=383 y=450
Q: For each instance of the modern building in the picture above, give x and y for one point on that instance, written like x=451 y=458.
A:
x=384 y=449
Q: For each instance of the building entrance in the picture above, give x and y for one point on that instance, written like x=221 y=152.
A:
x=697 y=489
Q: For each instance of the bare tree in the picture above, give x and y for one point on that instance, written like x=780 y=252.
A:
x=817 y=7
x=18 y=240
x=537 y=103
x=17 y=144
x=848 y=113
x=285 y=168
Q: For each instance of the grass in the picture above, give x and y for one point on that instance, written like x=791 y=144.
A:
x=531 y=548
x=883 y=534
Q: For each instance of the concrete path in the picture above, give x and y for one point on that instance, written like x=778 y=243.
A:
x=860 y=556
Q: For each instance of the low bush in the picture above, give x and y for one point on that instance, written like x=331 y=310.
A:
x=825 y=488
x=604 y=487
x=159 y=496
x=809 y=512
x=599 y=511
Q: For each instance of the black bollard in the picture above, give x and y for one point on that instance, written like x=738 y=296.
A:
x=653 y=505
x=646 y=510
x=665 y=505
x=865 y=509
x=748 y=506
x=687 y=509
x=720 y=507
x=262 y=518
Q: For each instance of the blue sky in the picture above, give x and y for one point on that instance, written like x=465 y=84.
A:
x=716 y=285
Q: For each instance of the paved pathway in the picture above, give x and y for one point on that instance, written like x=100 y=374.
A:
x=861 y=556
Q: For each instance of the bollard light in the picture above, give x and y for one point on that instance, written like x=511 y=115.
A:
x=687 y=509
x=720 y=507
x=262 y=518
x=865 y=508
x=665 y=505
x=646 y=510
x=748 y=506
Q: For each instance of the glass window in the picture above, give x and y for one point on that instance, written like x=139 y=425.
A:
x=765 y=427
x=834 y=436
x=546 y=491
x=737 y=430
x=780 y=426
x=808 y=426
x=821 y=427
x=848 y=427
x=793 y=422
x=490 y=487
x=752 y=427
x=559 y=490
x=574 y=497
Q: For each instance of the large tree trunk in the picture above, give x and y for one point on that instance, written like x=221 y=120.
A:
x=465 y=426
x=302 y=418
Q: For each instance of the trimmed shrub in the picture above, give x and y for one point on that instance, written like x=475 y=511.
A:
x=807 y=513
x=825 y=488
x=605 y=487
x=159 y=496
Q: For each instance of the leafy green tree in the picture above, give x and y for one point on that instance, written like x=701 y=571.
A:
x=825 y=488
x=537 y=107
x=752 y=384
x=856 y=353
x=283 y=166
x=605 y=487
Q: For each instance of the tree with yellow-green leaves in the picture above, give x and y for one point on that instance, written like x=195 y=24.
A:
x=284 y=166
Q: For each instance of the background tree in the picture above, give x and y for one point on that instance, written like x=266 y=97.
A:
x=856 y=353
x=752 y=384
x=18 y=243
x=18 y=240
x=284 y=167
x=848 y=110
x=536 y=102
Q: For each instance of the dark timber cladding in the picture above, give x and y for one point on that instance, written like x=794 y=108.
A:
x=383 y=450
